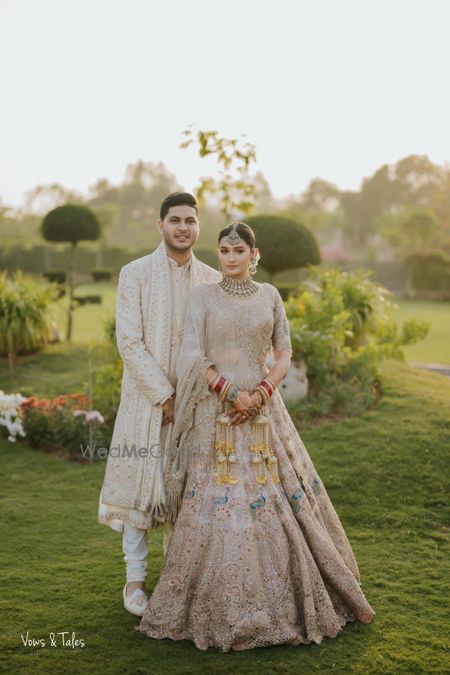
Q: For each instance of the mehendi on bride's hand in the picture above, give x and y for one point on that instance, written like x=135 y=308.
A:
x=243 y=412
x=229 y=393
x=257 y=400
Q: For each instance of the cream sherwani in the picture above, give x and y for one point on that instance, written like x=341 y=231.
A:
x=152 y=297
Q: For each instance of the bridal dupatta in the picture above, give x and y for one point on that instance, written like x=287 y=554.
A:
x=192 y=387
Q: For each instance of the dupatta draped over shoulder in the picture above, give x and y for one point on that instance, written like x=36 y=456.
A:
x=192 y=387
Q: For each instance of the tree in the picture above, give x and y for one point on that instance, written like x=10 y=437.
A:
x=235 y=187
x=106 y=215
x=412 y=230
x=137 y=200
x=45 y=197
x=412 y=182
x=318 y=208
x=70 y=223
x=284 y=243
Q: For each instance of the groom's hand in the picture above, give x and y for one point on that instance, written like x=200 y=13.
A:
x=168 y=410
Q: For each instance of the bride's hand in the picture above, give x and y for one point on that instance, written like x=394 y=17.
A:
x=244 y=399
x=240 y=405
x=256 y=400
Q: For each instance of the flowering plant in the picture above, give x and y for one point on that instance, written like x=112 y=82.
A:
x=10 y=415
x=90 y=416
x=62 y=423
x=47 y=406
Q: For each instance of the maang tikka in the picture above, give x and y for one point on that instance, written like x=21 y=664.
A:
x=233 y=237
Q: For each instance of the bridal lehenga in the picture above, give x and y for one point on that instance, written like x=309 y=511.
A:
x=258 y=555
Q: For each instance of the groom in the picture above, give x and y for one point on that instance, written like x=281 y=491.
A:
x=152 y=298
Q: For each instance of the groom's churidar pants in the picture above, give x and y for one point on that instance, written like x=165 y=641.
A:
x=135 y=548
x=135 y=540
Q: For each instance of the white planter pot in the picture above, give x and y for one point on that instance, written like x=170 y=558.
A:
x=294 y=386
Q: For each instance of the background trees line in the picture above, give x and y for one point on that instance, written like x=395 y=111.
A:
x=402 y=208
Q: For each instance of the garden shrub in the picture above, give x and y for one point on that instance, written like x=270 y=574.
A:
x=342 y=327
x=25 y=317
x=63 y=424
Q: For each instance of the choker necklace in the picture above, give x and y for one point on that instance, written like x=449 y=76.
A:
x=238 y=288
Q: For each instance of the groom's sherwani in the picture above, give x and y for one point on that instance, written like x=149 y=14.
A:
x=152 y=297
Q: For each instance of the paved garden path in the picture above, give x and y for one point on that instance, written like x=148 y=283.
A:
x=442 y=368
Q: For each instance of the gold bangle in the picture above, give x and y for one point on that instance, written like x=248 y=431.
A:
x=224 y=393
x=215 y=382
x=260 y=396
x=214 y=377
x=264 y=394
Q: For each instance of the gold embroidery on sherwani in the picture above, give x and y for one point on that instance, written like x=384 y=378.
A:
x=151 y=296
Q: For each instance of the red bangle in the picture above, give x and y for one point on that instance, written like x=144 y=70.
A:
x=270 y=383
x=266 y=386
x=219 y=385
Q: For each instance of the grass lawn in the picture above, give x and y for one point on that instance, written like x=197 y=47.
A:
x=385 y=473
x=58 y=369
x=88 y=319
x=436 y=346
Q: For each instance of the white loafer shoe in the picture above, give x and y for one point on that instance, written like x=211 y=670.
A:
x=136 y=602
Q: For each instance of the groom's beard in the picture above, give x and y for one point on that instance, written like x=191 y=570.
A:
x=177 y=244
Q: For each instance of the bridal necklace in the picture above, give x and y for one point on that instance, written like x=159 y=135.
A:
x=238 y=288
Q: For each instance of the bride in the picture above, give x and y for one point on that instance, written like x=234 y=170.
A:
x=258 y=554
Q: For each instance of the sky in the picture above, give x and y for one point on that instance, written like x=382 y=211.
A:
x=328 y=88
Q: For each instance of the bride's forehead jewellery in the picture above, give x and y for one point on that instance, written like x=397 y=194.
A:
x=233 y=237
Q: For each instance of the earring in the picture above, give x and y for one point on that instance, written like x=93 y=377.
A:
x=253 y=265
x=219 y=265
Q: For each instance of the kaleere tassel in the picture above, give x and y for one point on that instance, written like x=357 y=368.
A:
x=226 y=461
x=260 y=446
x=260 y=449
x=273 y=468
x=232 y=469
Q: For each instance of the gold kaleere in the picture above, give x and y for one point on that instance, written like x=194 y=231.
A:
x=261 y=453
x=226 y=461
x=258 y=468
x=226 y=471
x=273 y=468
x=260 y=446
x=221 y=469
x=232 y=469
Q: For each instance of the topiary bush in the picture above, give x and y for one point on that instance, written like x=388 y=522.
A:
x=70 y=223
x=284 y=243
x=101 y=274
x=58 y=276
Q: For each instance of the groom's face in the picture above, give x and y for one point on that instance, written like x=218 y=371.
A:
x=180 y=228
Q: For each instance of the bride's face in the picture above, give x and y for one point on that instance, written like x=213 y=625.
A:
x=235 y=260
